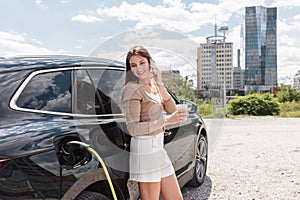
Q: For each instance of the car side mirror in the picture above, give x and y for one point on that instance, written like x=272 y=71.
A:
x=192 y=107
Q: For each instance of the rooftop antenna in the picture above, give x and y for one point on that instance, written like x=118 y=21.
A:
x=216 y=28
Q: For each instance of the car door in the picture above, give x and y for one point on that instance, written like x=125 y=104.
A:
x=98 y=116
x=180 y=140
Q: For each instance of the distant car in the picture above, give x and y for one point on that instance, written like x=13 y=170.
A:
x=48 y=101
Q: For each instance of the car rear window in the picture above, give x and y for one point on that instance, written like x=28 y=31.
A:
x=49 y=91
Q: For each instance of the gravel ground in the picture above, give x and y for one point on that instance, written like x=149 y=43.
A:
x=254 y=158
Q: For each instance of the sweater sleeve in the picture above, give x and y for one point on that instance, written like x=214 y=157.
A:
x=131 y=100
x=169 y=106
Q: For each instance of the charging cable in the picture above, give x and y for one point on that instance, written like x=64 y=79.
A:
x=92 y=151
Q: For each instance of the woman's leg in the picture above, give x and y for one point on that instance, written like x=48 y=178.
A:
x=149 y=190
x=170 y=189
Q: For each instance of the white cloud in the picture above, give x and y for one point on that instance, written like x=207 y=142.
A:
x=288 y=59
x=174 y=14
x=12 y=44
x=285 y=40
x=234 y=37
x=37 y=41
x=297 y=17
x=286 y=3
x=78 y=47
x=285 y=26
x=40 y=4
x=12 y=36
x=173 y=3
x=85 y=18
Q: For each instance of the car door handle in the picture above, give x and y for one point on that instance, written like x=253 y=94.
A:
x=167 y=133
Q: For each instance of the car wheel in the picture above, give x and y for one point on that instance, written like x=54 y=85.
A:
x=88 y=195
x=201 y=162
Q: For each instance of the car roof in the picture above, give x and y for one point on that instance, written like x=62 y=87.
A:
x=52 y=61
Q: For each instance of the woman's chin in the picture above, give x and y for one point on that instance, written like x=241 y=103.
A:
x=144 y=77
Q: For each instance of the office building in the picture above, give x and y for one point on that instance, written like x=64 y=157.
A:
x=238 y=78
x=296 y=81
x=214 y=63
x=238 y=74
x=170 y=77
x=260 y=48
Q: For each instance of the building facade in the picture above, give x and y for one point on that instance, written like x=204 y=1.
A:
x=296 y=81
x=238 y=78
x=260 y=39
x=238 y=74
x=214 y=63
x=170 y=77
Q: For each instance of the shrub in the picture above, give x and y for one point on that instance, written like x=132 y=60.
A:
x=254 y=104
x=205 y=110
x=290 y=109
x=287 y=94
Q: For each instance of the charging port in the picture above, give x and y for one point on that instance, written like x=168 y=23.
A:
x=71 y=155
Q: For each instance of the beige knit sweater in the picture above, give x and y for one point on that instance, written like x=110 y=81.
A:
x=144 y=114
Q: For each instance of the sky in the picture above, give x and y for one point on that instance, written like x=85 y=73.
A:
x=77 y=27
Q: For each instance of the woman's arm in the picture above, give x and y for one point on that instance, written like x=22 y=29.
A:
x=169 y=104
x=167 y=100
x=166 y=97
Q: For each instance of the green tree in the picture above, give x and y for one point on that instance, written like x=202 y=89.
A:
x=183 y=88
x=288 y=94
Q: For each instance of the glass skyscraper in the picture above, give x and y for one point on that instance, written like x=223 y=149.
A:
x=260 y=48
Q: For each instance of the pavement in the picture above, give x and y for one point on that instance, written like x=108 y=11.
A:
x=251 y=158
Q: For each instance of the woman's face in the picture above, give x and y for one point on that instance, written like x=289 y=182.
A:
x=140 y=67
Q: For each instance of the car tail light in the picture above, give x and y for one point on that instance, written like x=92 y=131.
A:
x=3 y=162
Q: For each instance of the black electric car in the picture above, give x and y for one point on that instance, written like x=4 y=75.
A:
x=48 y=102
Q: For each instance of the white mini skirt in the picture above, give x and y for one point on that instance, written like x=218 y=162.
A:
x=149 y=161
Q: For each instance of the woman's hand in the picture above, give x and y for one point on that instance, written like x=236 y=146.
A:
x=176 y=117
x=156 y=73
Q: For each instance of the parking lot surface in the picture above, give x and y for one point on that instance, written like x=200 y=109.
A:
x=252 y=158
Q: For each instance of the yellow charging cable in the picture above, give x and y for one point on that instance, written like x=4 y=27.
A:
x=92 y=151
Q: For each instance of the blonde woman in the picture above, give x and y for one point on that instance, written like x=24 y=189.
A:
x=144 y=99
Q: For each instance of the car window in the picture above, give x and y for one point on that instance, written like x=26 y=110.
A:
x=111 y=82
x=97 y=91
x=49 y=91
